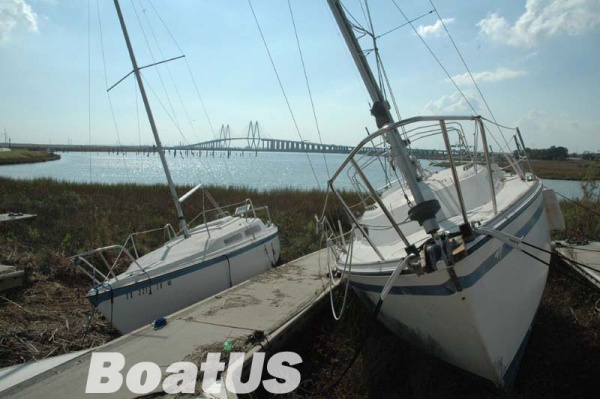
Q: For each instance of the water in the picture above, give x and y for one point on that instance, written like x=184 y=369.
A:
x=267 y=170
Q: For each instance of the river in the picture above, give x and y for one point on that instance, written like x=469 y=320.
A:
x=263 y=171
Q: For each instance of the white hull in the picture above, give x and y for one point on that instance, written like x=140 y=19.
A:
x=481 y=328
x=138 y=304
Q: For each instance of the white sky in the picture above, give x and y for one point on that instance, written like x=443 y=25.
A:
x=536 y=62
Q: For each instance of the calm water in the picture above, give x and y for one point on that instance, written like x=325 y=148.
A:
x=264 y=171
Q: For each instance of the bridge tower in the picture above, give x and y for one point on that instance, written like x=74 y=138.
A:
x=253 y=137
x=225 y=137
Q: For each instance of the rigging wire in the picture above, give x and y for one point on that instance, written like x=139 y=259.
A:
x=384 y=82
x=143 y=31
x=170 y=75
x=468 y=70
x=137 y=111
x=188 y=67
x=282 y=89
x=210 y=172
x=350 y=61
x=312 y=103
x=435 y=57
x=179 y=130
x=442 y=66
x=112 y=110
x=354 y=23
x=172 y=116
x=89 y=43
x=576 y=203
x=404 y=24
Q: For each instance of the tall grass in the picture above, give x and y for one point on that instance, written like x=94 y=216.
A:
x=49 y=315
x=582 y=215
x=72 y=218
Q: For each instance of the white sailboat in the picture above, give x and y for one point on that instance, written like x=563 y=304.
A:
x=190 y=266
x=442 y=255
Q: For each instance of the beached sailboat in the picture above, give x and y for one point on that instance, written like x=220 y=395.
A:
x=442 y=255
x=193 y=264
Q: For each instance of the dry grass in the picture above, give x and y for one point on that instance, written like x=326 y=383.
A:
x=48 y=316
x=561 y=359
x=558 y=170
x=567 y=170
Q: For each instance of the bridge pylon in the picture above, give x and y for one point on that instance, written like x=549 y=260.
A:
x=253 y=137
x=224 y=137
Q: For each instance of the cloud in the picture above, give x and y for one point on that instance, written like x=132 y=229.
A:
x=435 y=29
x=13 y=13
x=543 y=18
x=454 y=103
x=488 y=76
x=541 y=129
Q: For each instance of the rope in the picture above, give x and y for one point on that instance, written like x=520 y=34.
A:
x=561 y=256
x=89 y=323
x=282 y=89
x=348 y=268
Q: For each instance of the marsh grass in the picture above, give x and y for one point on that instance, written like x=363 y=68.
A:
x=570 y=169
x=18 y=156
x=48 y=316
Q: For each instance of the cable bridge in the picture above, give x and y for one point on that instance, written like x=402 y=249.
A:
x=254 y=142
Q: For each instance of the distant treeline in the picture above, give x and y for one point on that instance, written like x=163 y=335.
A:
x=553 y=153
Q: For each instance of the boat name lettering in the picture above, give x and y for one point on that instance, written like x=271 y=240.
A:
x=105 y=374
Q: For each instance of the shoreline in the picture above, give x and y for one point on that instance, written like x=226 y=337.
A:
x=556 y=170
x=18 y=157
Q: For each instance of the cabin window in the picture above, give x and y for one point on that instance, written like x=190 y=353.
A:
x=232 y=239
x=252 y=230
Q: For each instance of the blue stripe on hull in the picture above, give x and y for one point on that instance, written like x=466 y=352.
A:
x=96 y=298
x=447 y=288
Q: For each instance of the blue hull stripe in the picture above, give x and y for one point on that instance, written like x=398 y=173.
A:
x=467 y=281
x=97 y=299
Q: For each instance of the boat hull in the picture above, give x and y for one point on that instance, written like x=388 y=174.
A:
x=480 y=324
x=136 y=305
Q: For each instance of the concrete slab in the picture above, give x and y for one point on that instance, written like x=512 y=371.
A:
x=269 y=303
x=14 y=375
x=13 y=216
x=587 y=254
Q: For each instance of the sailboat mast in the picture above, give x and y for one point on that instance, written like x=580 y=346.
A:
x=381 y=110
x=182 y=223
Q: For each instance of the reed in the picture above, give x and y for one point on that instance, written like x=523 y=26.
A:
x=48 y=316
x=570 y=169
